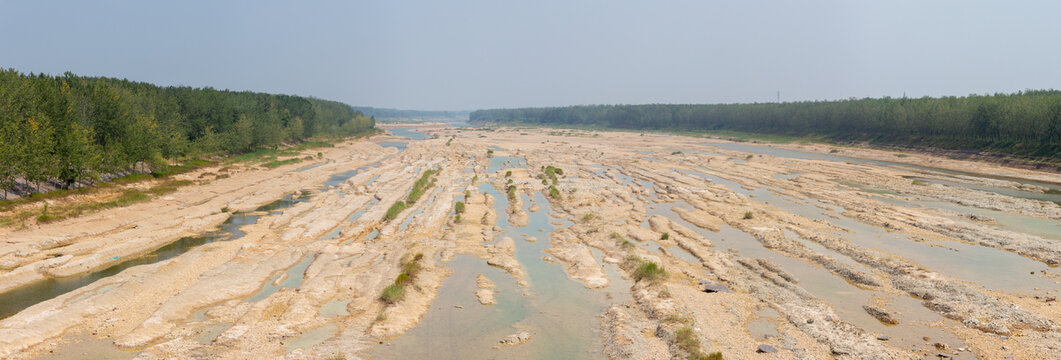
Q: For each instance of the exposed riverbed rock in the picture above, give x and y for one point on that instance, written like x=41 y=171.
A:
x=485 y=294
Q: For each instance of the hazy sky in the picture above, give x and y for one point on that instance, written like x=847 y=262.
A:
x=500 y=53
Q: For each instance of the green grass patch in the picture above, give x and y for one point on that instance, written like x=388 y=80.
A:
x=920 y=182
x=748 y=215
x=394 y=210
x=665 y=236
x=392 y=294
x=278 y=163
x=554 y=193
x=421 y=185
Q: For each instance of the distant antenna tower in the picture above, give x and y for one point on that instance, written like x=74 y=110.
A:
x=779 y=96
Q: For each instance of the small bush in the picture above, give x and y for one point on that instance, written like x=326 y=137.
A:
x=508 y=173
x=589 y=217
x=833 y=151
x=392 y=294
x=920 y=182
x=403 y=279
x=748 y=215
x=665 y=236
x=512 y=192
x=459 y=207
x=649 y=271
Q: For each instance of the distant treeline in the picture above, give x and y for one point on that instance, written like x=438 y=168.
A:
x=70 y=128
x=1025 y=124
x=382 y=113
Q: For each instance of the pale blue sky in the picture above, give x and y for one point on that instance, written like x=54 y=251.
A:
x=488 y=54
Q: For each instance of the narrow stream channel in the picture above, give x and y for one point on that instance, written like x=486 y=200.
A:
x=559 y=313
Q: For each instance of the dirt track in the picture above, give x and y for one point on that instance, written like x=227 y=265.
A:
x=817 y=253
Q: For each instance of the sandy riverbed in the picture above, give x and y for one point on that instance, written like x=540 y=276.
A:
x=814 y=257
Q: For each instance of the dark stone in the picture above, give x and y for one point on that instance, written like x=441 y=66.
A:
x=763 y=349
x=884 y=338
x=713 y=288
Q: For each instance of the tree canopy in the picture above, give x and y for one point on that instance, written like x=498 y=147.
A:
x=1025 y=124
x=70 y=128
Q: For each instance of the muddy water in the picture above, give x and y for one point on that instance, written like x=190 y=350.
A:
x=558 y=312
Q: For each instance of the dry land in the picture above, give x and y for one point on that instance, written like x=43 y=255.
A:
x=567 y=244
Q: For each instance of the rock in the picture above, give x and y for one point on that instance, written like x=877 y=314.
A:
x=882 y=315
x=714 y=288
x=458 y=307
x=485 y=294
x=764 y=349
x=516 y=339
x=884 y=338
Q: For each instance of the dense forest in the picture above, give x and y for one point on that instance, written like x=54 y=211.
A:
x=1025 y=124
x=383 y=113
x=70 y=128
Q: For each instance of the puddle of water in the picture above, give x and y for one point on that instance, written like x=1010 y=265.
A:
x=764 y=325
x=210 y=332
x=310 y=338
x=405 y=224
x=680 y=253
x=400 y=145
x=87 y=347
x=295 y=275
x=307 y=167
x=335 y=308
x=407 y=133
x=506 y=162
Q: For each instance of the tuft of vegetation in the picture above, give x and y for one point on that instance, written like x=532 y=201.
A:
x=410 y=269
x=551 y=172
x=665 y=236
x=508 y=173
x=512 y=192
x=392 y=294
x=589 y=217
x=649 y=271
x=458 y=207
x=421 y=185
x=394 y=210
x=920 y=182
x=686 y=339
x=489 y=152
x=833 y=151
x=554 y=193
x=748 y=215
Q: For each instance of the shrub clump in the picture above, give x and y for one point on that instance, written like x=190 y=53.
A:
x=665 y=236
x=748 y=215
x=650 y=272
x=395 y=292
x=554 y=193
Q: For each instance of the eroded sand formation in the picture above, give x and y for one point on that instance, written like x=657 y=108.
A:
x=797 y=256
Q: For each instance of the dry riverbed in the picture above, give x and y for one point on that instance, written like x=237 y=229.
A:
x=569 y=244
